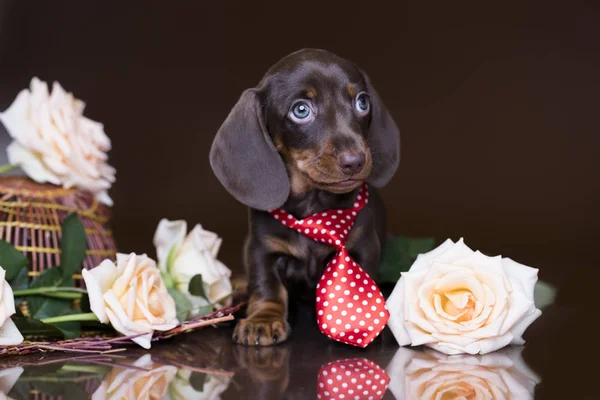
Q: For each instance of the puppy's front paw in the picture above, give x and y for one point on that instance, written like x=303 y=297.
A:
x=261 y=331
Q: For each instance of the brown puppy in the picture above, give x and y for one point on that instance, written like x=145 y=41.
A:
x=305 y=139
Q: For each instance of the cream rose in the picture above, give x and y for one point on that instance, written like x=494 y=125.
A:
x=132 y=296
x=457 y=300
x=432 y=375
x=148 y=381
x=9 y=334
x=182 y=257
x=182 y=389
x=55 y=143
x=8 y=378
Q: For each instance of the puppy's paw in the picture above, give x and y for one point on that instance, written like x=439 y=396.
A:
x=261 y=331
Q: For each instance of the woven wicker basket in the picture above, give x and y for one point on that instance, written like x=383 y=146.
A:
x=31 y=215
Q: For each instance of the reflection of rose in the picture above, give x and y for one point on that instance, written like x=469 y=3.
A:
x=132 y=296
x=8 y=378
x=433 y=375
x=182 y=389
x=148 y=381
x=9 y=334
x=54 y=142
x=457 y=301
x=183 y=257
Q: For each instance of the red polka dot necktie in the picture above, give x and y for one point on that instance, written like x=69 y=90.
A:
x=350 y=306
x=352 y=379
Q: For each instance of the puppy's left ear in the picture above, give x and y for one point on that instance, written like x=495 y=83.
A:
x=383 y=139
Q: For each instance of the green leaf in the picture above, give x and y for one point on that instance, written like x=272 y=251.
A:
x=398 y=255
x=73 y=244
x=70 y=330
x=30 y=327
x=196 y=286
x=197 y=381
x=11 y=259
x=182 y=303
x=21 y=281
x=41 y=307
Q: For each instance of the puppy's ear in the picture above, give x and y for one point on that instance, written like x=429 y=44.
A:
x=245 y=160
x=383 y=139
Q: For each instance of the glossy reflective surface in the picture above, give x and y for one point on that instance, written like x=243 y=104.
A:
x=205 y=364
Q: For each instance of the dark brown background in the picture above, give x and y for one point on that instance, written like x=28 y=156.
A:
x=498 y=108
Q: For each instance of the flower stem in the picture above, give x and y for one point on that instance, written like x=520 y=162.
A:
x=58 y=292
x=6 y=168
x=71 y=318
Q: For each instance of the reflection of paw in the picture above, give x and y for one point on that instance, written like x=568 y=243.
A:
x=266 y=365
x=261 y=331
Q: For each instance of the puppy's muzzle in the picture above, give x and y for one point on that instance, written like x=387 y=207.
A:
x=351 y=163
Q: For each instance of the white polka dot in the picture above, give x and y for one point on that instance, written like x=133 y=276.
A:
x=364 y=302
x=289 y=216
x=350 y=305
x=324 y=326
x=369 y=295
x=276 y=216
x=333 y=217
x=324 y=214
x=334 y=308
x=376 y=320
x=342 y=334
x=356 y=205
x=341 y=300
x=337 y=226
x=323 y=231
x=352 y=284
x=329 y=317
x=353 y=318
x=306 y=230
x=337 y=242
x=361 y=323
x=318 y=299
x=351 y=337
x=368 y=315
x=331 y=295
x=328 y=223
x=361 y=289
x=332 y=232
x=373 y=308
x=344 y=279
x=325 y=303
x=315 y=230
x=341 y=235
x=333 y=330
x=329 y=282
x=359 y=341
x=356 y=330
x=319 y=221
x=378 y=300
x=359 y=310
x=341 y=266
x=350 y=271
x=366 y=281
x=355 y=297
x=337 y=287
x=353 y=213
x=323 y=290
x=338 y=321
x=382 y=314
x=320 y=312
x=365 y=334
x=370 y=328
x=344 y=313
x=357 y=276
x=333 y=261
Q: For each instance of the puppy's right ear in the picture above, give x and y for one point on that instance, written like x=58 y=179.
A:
x=245 y=160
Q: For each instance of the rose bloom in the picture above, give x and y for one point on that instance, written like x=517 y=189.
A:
x=9 y=334
x=132 y=296
x=149 y=381
x=55 y=143
x=432 y=375
x=457 y=300
x=183 y=257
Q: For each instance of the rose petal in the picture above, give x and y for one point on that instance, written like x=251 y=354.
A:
x=169 y=235
x=9 y=334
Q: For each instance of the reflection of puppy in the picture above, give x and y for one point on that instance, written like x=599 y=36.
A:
x=268 y=369
x=305 y=139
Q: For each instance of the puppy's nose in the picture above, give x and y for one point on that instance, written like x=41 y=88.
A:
x=351 y=163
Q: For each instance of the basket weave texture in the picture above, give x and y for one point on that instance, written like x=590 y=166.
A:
x=31 y=215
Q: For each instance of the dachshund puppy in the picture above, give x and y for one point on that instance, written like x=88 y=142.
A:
x=305 y=139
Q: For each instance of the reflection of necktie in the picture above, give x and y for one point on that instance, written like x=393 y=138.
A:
x=350 y=306
x=357 y=378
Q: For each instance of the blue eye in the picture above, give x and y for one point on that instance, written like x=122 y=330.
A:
x=362 y=103
x=301 y=112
